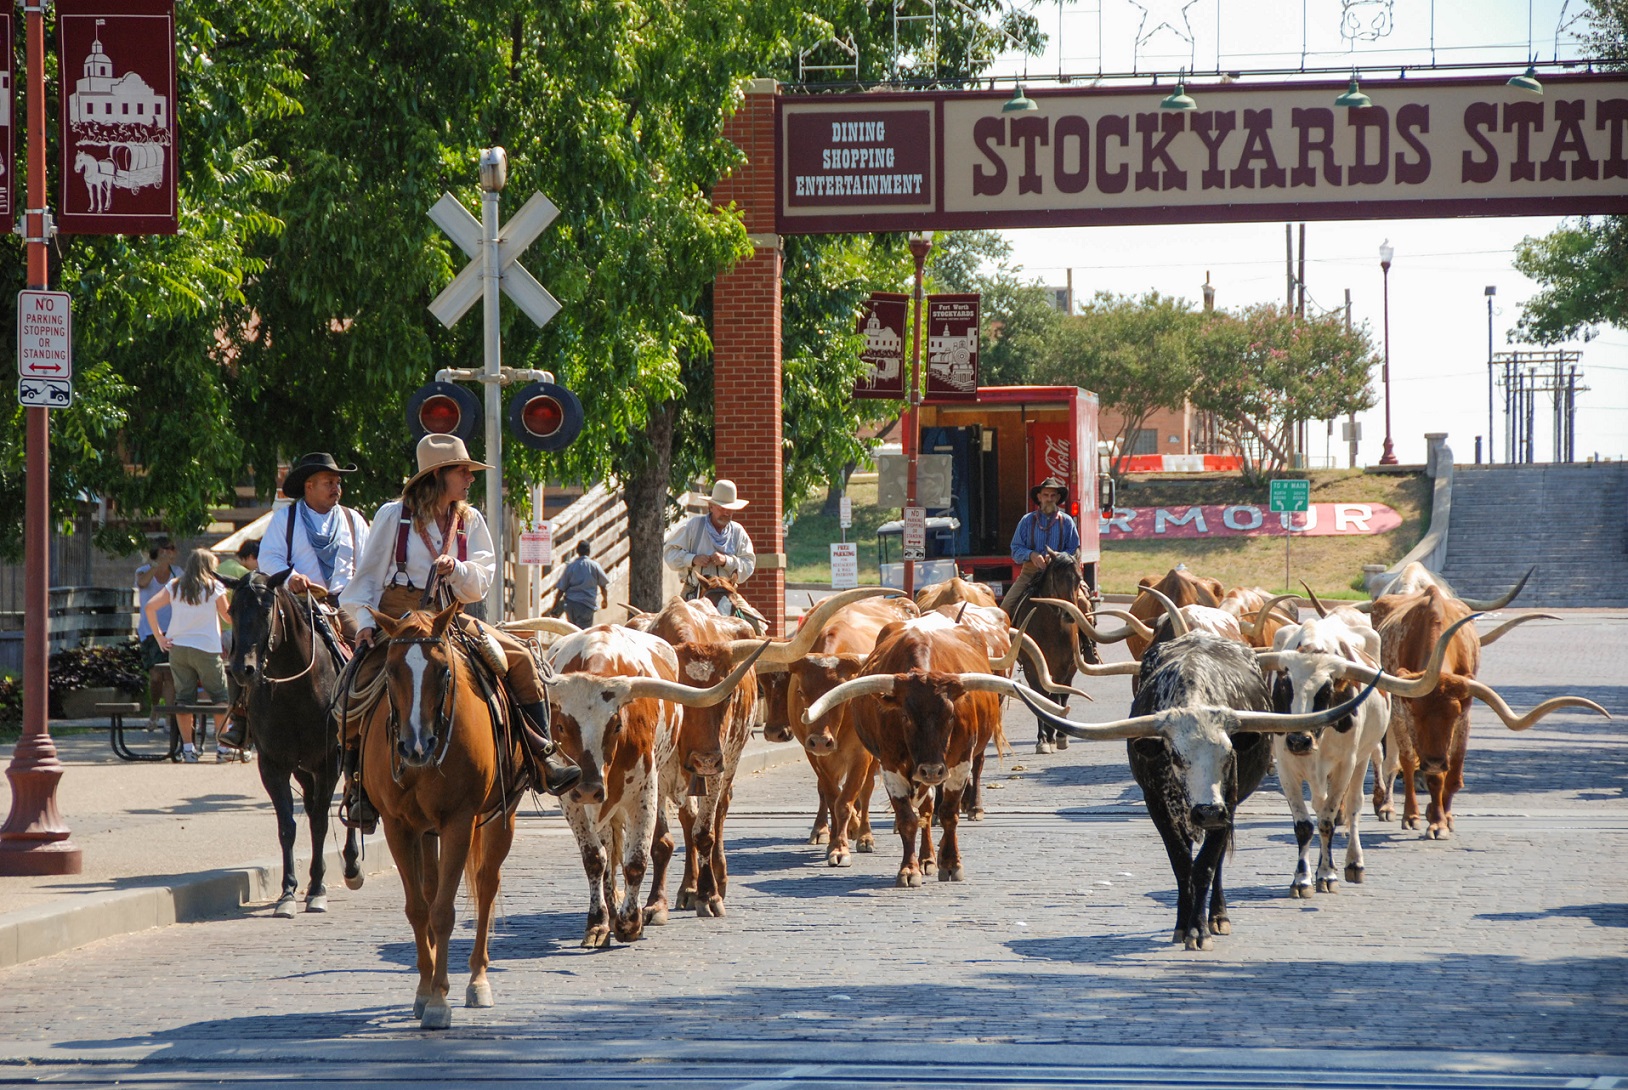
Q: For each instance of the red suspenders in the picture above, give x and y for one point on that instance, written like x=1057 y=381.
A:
x=403 y=528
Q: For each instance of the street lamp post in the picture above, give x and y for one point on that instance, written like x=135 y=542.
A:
x=921 y=244
x=1492 y=289
x=1386 y=252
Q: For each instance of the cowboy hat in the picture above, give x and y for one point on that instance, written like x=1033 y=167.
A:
x=723 y=494
x=436 y=451
x=320 y=462
x=1055 y=485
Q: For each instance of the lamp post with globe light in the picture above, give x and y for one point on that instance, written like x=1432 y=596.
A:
x=1386 y=253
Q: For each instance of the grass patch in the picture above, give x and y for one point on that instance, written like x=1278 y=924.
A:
x=1332 y=565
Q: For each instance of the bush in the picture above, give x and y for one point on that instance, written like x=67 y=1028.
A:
x=11 y=702
x=115 y=667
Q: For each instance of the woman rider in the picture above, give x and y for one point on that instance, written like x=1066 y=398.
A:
x=432 y=528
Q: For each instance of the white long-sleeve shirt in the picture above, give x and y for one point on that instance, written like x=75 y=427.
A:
x=691 y=540
x=469 y=579
x=275 y=556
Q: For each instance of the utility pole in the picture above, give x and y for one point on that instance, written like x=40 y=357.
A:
x=1492 y=289
x=1351 y=418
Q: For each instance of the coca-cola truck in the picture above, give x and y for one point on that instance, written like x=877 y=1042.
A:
x=1002 y=444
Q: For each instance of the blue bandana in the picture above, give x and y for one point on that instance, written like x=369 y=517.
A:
x=323 y=535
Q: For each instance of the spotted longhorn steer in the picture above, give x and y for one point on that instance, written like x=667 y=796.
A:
x=1433 y=730
x=617 y=706
x=924 y=705
x=1197 y=743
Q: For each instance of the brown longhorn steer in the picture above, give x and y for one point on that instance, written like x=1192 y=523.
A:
x=1181 y=587
x=952 y=591
x=1434 y=730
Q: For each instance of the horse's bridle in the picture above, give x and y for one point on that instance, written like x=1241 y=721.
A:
x=443 y=715
x=273 y=629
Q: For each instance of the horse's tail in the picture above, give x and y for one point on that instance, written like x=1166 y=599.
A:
x=472 y=861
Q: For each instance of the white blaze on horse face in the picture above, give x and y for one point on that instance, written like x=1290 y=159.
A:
x=421 y=713
x=1199 y=737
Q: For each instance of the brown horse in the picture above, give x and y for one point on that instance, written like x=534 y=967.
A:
x=446 y=787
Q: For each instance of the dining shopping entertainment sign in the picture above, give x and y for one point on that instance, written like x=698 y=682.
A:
x=1248 y=520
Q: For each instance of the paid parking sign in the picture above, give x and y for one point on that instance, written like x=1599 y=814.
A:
x=1290 y=496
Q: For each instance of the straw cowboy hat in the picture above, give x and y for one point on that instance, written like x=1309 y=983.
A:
x=436 y=451
x=723 y=494
x=322 y=462
x=1055 y=485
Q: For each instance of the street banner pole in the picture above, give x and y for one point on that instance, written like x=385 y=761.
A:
x=494 y=170
x=920 y=246
x=34 y=839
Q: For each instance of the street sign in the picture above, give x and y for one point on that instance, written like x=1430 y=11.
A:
x=845 y=513
x=1290 y=495
x=44 y=335
x=1350 y=431
x=44 y=393
x=519 y=285
x=8 y=142
x=844 y=565
x=915 y=533
x=537 y=546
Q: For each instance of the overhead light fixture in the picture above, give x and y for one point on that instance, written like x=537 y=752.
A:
x=1179 y=99
x=1019 y=103
x=1527 y=81
x=1353 y=98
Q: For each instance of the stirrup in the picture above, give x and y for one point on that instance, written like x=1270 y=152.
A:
x=356 y=811
x=235 y=736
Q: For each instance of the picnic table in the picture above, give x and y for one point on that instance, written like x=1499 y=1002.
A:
x=203 y=714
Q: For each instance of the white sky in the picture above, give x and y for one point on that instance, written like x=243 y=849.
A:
x=1438 y=327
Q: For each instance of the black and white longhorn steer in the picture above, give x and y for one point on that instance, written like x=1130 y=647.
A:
x=1197 y=741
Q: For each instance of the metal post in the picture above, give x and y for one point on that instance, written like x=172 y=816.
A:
x=920 y=245
x=494 y=169
x=1492 y=290
x=34 y=839
x=1350 y=418
x=1388 y=458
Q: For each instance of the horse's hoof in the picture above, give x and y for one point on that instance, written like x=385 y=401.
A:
x=686 y=900
x=712 y=906
x=319 y=903
x=1327 y=885
x=596 y=937
x=1042 y=747
x=284 y=908
x=354 y=881
x=419 y=1003
x=1353 y=874
x=436 y=1016
x=655 y=915
x=478 y=995
x=839 y=858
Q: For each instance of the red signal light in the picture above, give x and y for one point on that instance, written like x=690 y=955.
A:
x=439 y=414
x=1074 y=508
x=542 y=416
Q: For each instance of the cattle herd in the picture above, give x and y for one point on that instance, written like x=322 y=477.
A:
x=657 y=712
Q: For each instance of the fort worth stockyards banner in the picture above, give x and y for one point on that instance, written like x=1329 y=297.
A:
x=1248 y=520
x=1426 y=147
x=117 y=69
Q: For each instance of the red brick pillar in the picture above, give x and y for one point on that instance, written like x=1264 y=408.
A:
x=746 y=353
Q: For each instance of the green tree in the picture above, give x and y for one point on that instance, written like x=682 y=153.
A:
x=1023 y=331
x=1264 y=370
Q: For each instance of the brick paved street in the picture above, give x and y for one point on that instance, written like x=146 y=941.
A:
x=1498 y=957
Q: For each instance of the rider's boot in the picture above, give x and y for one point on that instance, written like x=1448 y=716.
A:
x=560 y=773
x=355 y=808
x=236 y=734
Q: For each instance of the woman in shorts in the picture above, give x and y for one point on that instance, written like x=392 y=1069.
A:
x=198 y=605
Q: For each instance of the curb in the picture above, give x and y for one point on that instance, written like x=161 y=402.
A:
x=48 y=929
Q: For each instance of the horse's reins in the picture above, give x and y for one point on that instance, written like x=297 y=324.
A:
x=271 y=641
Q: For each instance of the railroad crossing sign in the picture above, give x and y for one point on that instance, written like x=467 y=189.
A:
x=1290 y=495
x=522 y=288
x=44 y=349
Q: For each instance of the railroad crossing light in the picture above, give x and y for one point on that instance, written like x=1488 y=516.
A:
x=545 y=416
x=443 y=408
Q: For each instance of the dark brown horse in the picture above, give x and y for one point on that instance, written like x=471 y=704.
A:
x=446 y=781
x=287 y=675
x=1053 y=631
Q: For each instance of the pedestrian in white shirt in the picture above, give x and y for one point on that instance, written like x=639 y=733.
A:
x=197 y=604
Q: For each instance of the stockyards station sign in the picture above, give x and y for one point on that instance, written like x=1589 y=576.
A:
x=1248 y=520
x=888 y=161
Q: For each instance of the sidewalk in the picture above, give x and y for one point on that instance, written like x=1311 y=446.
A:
x=170 y=843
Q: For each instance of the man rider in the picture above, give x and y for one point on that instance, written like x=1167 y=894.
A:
x=1040 y=533
x=713 y=545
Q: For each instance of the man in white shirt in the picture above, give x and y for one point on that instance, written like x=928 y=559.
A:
x=316 y=539
x=713 y=545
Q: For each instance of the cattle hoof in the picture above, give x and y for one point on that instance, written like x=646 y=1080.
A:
x=478 y=994
x=655 y=915
x=956 y=873
x=1042 y=747
x=1221 y=926
x=1206 y=943
x=976 y=814
x=596 y=938
x=908 y=879
x=819 y=836
x=686 y=900
x=630 y=930
x=839 y=859
x=928 y=866
x=1062 y=741
x=1385 y=813
x=319 y=903
x=1191 y=941
x=420 y=1001
x=1298 y=892
x=1353 y=874
x=436 y=1016
x=1327 y=885
x=1410 y=822
x=713 y=907
x=1439 y=832
x=284 y=908
x=865 y=844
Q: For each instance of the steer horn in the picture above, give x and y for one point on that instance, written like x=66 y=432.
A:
x=1136 y=627
x=1178 y=623
x=1279 y=723
x=877 y=684
x=1322 y=611
x=1264 y=613
x=1009 y=660
x=1488 y=696
x=541 y=624
x=1037 y=660
x=655 y=688
x=1492 y=636
x=1414 y=687
x=814 y=622
x=993 y=683
x=1489 y=604
x=1101 y=669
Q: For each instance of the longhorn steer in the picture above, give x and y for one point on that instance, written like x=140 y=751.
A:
x=1197 y=749
x=1433 y=729
x=1181 y=587
x=924 y=706
x=953 y=590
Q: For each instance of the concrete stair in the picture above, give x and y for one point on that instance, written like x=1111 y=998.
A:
x=1569 y=520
